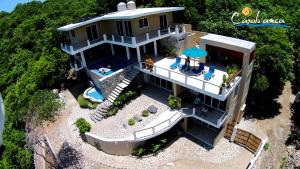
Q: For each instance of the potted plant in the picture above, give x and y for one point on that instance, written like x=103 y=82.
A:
x=149 y=64
x=171 y=52
x=174 y=102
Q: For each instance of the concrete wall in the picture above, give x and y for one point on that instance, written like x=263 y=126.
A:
x=112 y=146
x=2 y=119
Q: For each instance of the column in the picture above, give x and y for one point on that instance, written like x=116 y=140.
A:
x=128 y=53
x=138 y=54
x=145 y=49
x=155 y=48
x=82 y=59
x=184 y=124
x=112 y=49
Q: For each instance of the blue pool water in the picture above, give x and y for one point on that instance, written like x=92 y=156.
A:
x=95 y=94
x=99 y=73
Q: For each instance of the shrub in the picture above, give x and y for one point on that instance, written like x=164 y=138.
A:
x=139 y=151
x=172 y=102
x=266 y=146
x=145 y=113
x=83 y=125
x=83 y=102
x=124 y=98
x=131 y=122
x=283 y=161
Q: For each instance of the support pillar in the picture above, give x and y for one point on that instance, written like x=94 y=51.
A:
x=112 y=49
x=155 y=48
x=128 y=53
x=145 y=49
x=83 y=59
x=184 y=124
x=138 y=54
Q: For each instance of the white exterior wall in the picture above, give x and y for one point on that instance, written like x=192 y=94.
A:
x=2 y=116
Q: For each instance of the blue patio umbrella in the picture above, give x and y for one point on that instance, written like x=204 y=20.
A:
x=195 y=53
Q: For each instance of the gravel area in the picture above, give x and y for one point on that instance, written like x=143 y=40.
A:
x=150 y=96
x=224 y=155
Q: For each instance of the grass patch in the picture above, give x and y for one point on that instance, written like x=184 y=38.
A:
x=86 y=104
x=267 y=146
x=283 y=161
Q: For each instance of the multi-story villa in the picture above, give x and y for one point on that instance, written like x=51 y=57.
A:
x=131 y=35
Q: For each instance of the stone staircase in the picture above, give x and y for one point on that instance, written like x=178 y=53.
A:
x=103 y=109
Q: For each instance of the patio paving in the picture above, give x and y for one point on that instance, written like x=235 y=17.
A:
x=151 y=95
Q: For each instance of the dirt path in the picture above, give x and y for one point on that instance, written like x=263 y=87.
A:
x=277 y=130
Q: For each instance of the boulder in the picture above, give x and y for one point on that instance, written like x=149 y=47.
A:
x=137 y=118
x=152 y=109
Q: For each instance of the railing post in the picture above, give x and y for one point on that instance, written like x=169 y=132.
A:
x=61 y=45
x=134 y=135
x=203 y=86
x=104 y=37
x=223 y=91
x=133 y=39
x=233 y=134
x=169 y=74
x=88 y=42
x=194 y=111
x=158 y=32
x=147 y=36
x=154 y=69
x=153 y=131
x=185 y=79
x=177 y=30
x=122 y=39
x=71 y=49
x=169 y=30
x=113 y=37
x=141 y=66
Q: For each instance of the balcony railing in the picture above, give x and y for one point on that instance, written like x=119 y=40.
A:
x=193 y=82
x=120 y=40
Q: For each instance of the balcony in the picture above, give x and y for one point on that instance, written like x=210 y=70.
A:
x=132 y=42
x=210 y=87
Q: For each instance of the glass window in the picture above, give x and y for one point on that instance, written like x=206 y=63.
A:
x=169 y=85
x=143 y=23
x=151 y=79
x=201 y=96
x=163 y=83
x=222 y=105
x=215 y=103
x=157 y=81
x=208 y=100
x=72 y=33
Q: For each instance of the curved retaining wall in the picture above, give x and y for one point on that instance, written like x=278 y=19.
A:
x=112 y=146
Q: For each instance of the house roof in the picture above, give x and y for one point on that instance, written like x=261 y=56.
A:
x=228 y=42
x=127 y=14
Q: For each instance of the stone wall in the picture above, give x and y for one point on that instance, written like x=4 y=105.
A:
x=108 y=83
x=112 y=146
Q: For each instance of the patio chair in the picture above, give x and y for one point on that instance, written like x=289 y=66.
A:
x=177 y=62
x=210 y=74
x=199 y=70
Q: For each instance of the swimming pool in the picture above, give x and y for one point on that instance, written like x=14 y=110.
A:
x=99 y=73
x=93 y=94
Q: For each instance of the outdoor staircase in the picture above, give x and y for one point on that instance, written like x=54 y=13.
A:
x=103 y=109
x=129 y=76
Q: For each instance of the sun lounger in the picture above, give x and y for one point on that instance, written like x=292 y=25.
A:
x=199 y=70
x=177 y=62
x=210 y=73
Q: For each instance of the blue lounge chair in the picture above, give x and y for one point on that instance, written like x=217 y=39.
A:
x=177 y=62
x=199 y=70
x=210 y=73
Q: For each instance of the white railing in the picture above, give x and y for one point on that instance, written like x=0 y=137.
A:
x=188 y=77
x=103 y=38
x=167 y=124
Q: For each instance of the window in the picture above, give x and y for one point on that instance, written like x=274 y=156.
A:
x=163 y=22
x=72 y=33
x=143 y=23
x=120 y=28
x=128 y=29
x=92 y=32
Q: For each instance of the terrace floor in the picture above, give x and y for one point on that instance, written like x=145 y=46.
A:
x=212 y=86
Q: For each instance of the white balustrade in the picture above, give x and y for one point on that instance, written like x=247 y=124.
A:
x=158 y=32
x=147 y=36
x=122 y=39
x=113 y=37
x=71 y=48
x=88 y=42
x=133 y=39
x=104 y=37
x=169 y=30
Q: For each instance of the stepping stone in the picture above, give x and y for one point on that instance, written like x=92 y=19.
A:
x=152 y=109
x=125 y=126
x=137 y=118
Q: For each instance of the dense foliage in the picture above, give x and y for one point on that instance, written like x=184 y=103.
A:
x=83 y=125
x=30 y=58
